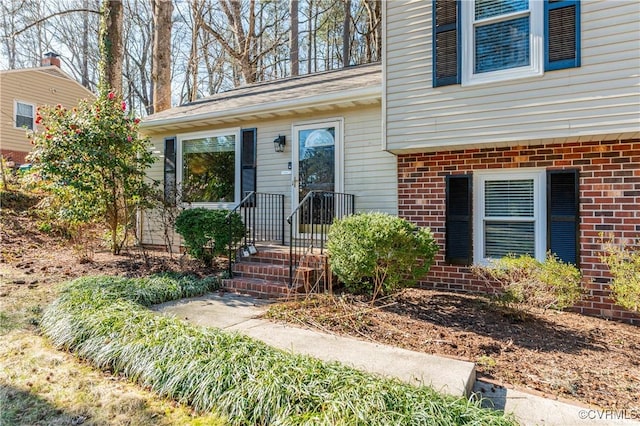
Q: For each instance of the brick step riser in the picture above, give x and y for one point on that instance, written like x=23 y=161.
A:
x=270 y=272
x=279 y=258
x=262 y=289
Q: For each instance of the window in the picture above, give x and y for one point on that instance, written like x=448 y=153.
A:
x=170 y=171
x=24 y=115
x=509 y=215
x=483 y=41
x=501 y=40
x=210 y=167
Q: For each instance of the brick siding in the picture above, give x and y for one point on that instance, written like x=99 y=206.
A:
x=609 y=203
x=18 y=157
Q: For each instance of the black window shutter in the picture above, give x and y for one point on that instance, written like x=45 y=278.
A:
x=170 y=171
x=563 y=207
x=446 y=42
x=248 y=161
x=458 y=229
x=562 y=34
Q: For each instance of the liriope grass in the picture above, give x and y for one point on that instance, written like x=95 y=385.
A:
x=105 y=320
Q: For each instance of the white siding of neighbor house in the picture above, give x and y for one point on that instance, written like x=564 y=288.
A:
x=602 y=97
x=369 y=172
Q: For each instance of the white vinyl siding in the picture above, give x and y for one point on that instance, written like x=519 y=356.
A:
x=369 y=172
x=599 y=98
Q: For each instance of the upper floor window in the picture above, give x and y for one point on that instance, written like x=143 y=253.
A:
x=24 y=115
x=483 y=41
x=501 y=40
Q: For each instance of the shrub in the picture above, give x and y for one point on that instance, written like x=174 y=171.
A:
x=200 y=227
x=376 y=253
x=623 y=261
x=95 y=162
x=103 y=320
x=526 y=282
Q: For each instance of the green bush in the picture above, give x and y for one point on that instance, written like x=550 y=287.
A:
x=376 y=253
x=199 y=227
x=104 y=320
x=624 y=264
x=526 y=282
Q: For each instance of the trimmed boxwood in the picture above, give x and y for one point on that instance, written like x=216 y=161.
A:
x=104 y=320
x=200 y=226
x=376 y=253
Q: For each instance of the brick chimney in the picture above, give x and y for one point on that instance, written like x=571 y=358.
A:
x=50 y=58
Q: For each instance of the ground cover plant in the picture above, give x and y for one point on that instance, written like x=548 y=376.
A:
x=104 y=320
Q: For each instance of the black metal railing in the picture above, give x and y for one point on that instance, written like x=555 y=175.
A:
x=263 y=218
x=309 y=225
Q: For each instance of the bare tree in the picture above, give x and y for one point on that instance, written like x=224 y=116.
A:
x=293 y=39
x=242 y=46
x=346 y=34
x=161 y=63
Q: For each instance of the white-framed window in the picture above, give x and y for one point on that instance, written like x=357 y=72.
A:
x=502 y=40
x=510 y=214
x=24 y=115
x=209 y=167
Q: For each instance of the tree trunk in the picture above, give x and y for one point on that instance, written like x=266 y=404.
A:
x=346 y=34
x=85 y=46
x=293 y=41
x=161 y=62
x=111 y=48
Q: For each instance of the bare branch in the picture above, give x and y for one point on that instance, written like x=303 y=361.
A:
x=53 y=15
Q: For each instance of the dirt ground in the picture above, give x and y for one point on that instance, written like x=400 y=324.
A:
x=563 y=354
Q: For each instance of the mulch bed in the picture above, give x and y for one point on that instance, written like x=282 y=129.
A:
x=590 y=360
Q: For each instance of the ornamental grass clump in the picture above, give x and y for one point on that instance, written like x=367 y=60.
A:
x=105 y=321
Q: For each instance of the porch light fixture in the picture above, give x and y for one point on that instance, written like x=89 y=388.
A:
x=279 y=143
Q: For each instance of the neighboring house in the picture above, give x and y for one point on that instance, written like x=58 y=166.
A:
x=516 y=129
x=505 y=127
x=21 y=92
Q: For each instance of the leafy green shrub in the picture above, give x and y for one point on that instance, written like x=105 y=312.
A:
x=199 y=227
x=375 y=253
x=526 y=282
x=623 y=261
x=103 y=320
x=96 y=162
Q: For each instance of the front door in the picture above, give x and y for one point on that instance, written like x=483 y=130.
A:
x=316 y=167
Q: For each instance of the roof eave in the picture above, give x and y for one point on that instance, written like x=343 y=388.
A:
x=361 y=94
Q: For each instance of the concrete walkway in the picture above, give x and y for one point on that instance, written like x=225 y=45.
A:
x=240 y=314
